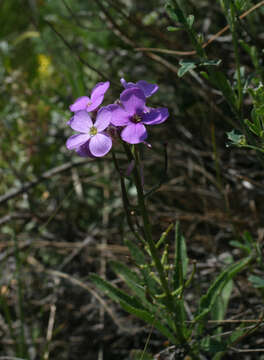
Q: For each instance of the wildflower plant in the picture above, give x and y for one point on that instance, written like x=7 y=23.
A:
x=158 y=287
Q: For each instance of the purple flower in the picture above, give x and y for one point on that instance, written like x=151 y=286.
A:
x=133 y=115
x=92 y=141
x=90 y=104
x=147 y=88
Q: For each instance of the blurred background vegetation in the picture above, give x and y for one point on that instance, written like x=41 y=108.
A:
x=61 y=216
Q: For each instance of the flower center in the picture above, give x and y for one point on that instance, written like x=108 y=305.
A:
x=93 y=131
x=136 y=118
x=89 y=103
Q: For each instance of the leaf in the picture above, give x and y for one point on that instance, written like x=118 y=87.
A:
x=216 y=62
x=136 y=253
x=174 y=28
x=175 y=12
x=190 y=20
x=239 y=245
x=236 y=139
x=256 y=281
x=219 y=80
x=114 y=293
x=149 y=318
x=220 y=306
x=132 y=280
x=212 y=346
x=25 y=36
x=180 y=259
x=140 y=260
x=180 y=271
x=186 y=66
x=208 y=300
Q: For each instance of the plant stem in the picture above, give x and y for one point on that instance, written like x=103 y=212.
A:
x=148 y=233
x=171 y=304
x=237 y=59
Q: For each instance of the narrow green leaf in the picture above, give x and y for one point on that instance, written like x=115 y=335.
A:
x=208 y=300
x=219 y=308
x=173 y=28
x=256 y=281
x=190 y=20
x=140 y=260
x=180 y=259
x=212 y=346
x=150 y=318
x=114 y=293
x=175 y=12
x=219 y=80
x=216 y=62
x=239 y=245
x=180 y=271
x=133 y=281
x=135 y=252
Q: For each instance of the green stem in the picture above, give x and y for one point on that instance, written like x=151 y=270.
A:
x=171 y=304
x=148 y=233
x=237 y=59
x=192 y=34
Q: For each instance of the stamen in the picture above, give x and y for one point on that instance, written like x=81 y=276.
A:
x=93 y=131
x=136 y=119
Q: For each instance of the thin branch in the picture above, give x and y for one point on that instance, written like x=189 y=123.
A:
x=45 y=176
x=213 y=38
x=70 y=47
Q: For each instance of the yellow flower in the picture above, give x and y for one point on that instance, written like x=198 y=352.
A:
x=44 y=65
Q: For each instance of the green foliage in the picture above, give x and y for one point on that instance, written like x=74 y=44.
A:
x=236 y=139
x=220 y=81
x=256 y=124
x=180 y=259
x=187 y=65
x=256 y=281
x=221 y=304
x=246 y=244
x=208 y=300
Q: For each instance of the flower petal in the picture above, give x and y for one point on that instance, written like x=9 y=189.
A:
x=134 y=133
x=95 y=103
x=123 y=82
x=80 y=104
x=103 y=119
x=148 y=88
x=100 y=144
x=81 y=121
x=133 y=100
x=99 y=90
x=84 y=150
x=77 y=140
x=155 y=116
x=70 y=121
x=127 y=85
x=119 y=117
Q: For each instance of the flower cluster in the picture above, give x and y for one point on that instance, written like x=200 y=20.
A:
x=128 y=116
